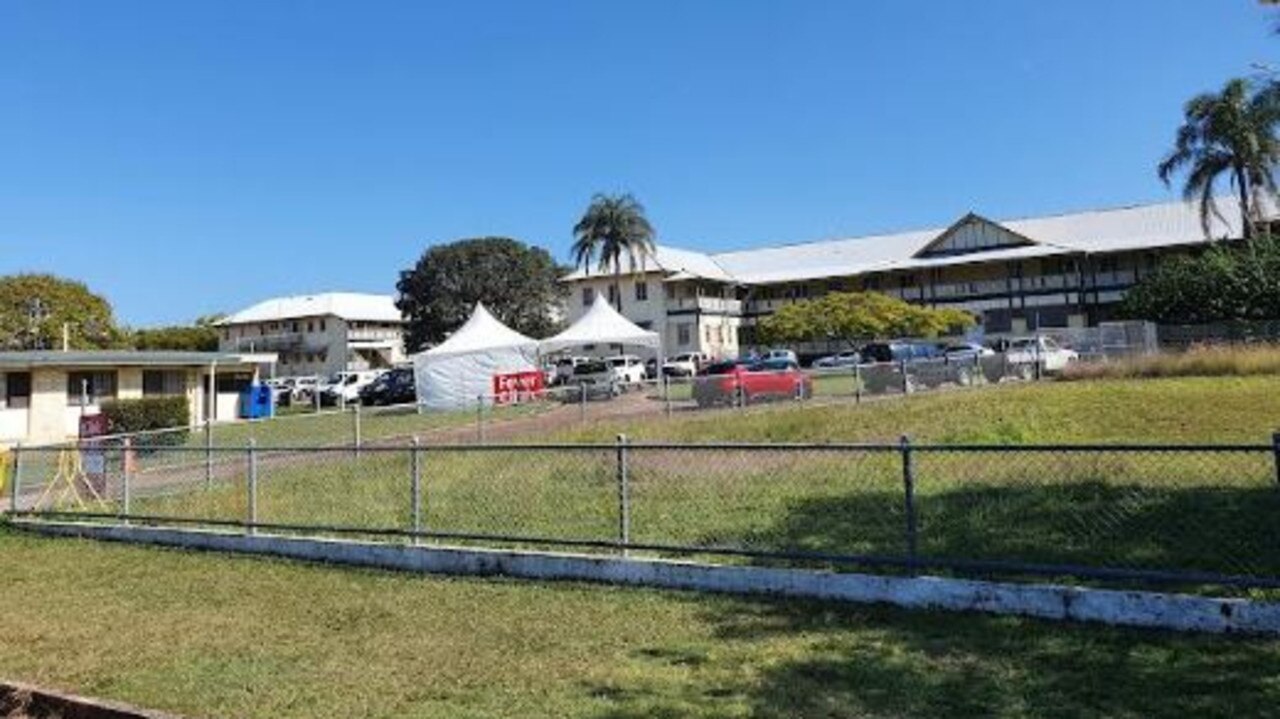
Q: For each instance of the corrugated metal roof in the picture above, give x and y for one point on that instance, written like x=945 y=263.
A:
x=344 y=305
x=129 y=358
x=671 y=260
x=1095 y=231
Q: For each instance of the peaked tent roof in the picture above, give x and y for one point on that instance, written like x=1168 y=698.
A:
x=482 y=331
x=602 y=324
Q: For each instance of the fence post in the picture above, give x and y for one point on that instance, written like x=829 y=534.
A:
x=355 y=428
x=126 y=466
x=479 y=418
x=624 y=495
x=909 y=499
x=1275 y=450
x=582 y=402
x=208 y=453
x=415 y=466
x=906 y=381
x=666 y=393
x=253 y=487
x=857 y=383
x=16 y=480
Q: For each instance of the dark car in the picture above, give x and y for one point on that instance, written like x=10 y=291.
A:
x=899 y=352
x=394 y=387
x=751 y=381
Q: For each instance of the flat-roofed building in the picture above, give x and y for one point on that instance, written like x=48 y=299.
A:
x=1020 y=275
x=319 y=334
x=43 y=394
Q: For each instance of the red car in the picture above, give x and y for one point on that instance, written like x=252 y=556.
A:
x=725 y=383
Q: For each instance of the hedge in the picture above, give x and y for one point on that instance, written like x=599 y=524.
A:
x=127 y=416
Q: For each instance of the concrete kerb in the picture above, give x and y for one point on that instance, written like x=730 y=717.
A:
x=1178 y=612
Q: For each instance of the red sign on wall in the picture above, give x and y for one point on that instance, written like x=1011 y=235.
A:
x=516 y=387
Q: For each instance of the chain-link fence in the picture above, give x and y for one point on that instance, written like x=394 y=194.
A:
x=1190 y=515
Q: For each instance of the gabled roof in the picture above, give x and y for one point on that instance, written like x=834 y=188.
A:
x=1003 y=237
x=670 y=260
x=344 y=305
x=1138 y=227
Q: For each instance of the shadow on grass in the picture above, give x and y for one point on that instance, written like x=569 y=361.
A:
x=1229 y=530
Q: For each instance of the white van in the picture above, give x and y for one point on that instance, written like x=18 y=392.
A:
x=344 y=387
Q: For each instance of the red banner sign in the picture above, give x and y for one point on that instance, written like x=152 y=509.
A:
x=516 y=387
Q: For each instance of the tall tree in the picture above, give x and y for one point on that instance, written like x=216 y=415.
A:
x=1231 y=133
x=519 y=284
x=36 y=310
x=613 y=227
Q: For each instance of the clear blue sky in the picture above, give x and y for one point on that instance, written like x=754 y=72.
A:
x=188 y=157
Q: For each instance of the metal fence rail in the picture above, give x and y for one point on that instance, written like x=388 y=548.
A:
x=1186 y=514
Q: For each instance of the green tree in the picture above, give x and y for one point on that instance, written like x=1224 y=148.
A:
x=1231 y=133
x=613 y=227
x=189 y=338
x=856 y=317
x=1225 y=283
x=35 y=309
x=519 y=284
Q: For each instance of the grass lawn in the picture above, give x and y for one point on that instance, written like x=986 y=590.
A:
x=1190 y=410
x=208 y=635
x=1151 y=510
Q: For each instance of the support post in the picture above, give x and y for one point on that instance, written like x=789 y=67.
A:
x=252 y=518
x=857 y=383
x=15 y=482
x=906 y=379
x=355 y=428
x=208 y=454
x=415 y=494
x=909 y=501
x=480 y=418
x=1275 y=450
x=126 y=469
x=666 y=393
x=624 y=495
x=582 y=402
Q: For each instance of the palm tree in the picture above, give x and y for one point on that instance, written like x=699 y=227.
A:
x=1233 y=133
x=613 y=226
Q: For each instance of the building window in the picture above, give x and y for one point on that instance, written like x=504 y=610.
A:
x=94 y=386
x=683 y=334
x=588 y=296
x=322 y=325
x=233 y=383
x=163 y=383
x=17 y=390
x=613 y=294
x=642 y=291
x=311 y=326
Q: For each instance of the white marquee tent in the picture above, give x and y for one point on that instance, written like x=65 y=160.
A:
x=602 y=324
x=452 y=374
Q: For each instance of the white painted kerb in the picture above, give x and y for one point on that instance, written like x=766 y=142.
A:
x=1130 y=608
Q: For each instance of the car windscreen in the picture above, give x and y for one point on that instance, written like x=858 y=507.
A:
x=722 y=368
x=592 y=367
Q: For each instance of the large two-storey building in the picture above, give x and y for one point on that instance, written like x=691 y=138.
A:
x=319 y=334
x=1067 y=270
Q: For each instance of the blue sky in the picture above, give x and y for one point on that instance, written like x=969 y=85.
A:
x=190 y=157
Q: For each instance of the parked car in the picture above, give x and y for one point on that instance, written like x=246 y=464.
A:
x=899 y=351
x=688 y=364
x=779 y=353
x=304 y=389
x=565 y=367
x=750 y=381
x=1027 y=352
x=841 y=359
x=281 y=390
x=390 y=388
x=628 y=369
x=344 y=387
x=596 y=378
x=966 y=350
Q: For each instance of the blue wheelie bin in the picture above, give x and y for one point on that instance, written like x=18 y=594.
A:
x=255 y=402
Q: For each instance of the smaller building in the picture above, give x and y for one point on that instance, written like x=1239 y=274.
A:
x=43 y=394
x=319 y=334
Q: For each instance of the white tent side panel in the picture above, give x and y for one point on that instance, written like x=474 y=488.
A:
x=454 y=381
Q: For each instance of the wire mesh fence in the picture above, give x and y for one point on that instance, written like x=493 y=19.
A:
x=1190 y=515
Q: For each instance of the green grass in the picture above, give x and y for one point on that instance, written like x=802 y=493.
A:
x=207 y=635
x=1188 y=410
x=1215 y=361
x=1148 y=510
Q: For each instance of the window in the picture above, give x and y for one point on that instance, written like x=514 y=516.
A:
x=588 y=296
x=233 y=383
x=17 y=390
x=322 y=325
x=683 y=334
x=613 y=295
x=293 y=326
x=95 y=386
x=671 y=292
x=163 y=383
x=642 y=291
